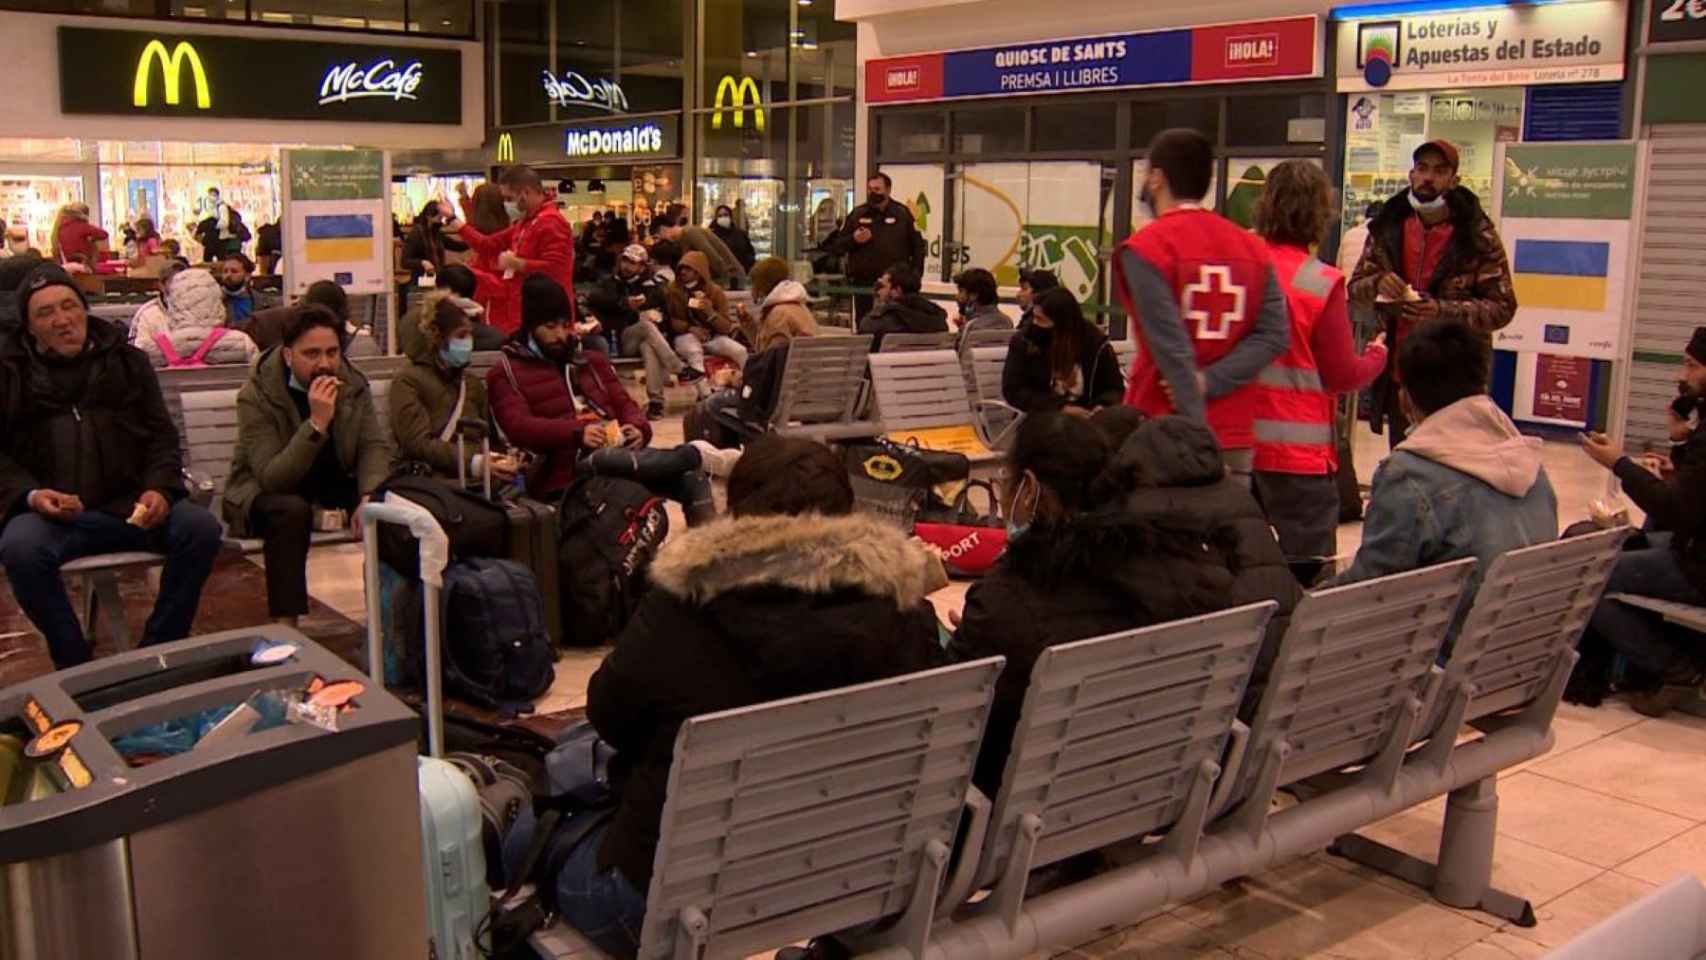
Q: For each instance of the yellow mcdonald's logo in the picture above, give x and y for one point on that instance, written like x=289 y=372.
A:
x=738 y=91
x=506 y=148
x=171 y=65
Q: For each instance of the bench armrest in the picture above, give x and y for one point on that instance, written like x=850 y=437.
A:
x=1230 y=774
x=967 y=856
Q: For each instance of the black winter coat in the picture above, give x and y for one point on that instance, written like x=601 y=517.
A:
x=894 y=240
x=1088 y=576
x=608 y=301
x=1027 y=383
x=913 y=313
x=107 y=446
x=1173 y=472
x=739 y=244
x=745 y=611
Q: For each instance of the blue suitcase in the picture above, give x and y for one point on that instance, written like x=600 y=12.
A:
x=453 y=853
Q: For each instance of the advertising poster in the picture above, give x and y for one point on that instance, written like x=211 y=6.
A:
x=1564 y=215
x=1036 y=216
x=919 y=186
x=1560 y=391
x=145 y=200
x=338 y=227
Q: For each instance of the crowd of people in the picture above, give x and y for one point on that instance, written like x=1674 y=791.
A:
x=1200 y=479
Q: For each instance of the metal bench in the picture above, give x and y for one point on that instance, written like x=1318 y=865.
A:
x=996 y=420
x=203 y=405
x=811 y=815
x=906 y=342
x=821 y=385
x=923 y=390
x=1119 y=737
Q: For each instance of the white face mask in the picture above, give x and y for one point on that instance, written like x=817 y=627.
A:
x=725 y=222
x=1427 y=206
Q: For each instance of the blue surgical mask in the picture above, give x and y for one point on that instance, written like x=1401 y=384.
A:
x=1016 y=530
x=513 y=209
x=457 y=353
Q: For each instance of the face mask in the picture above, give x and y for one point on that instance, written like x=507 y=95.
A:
x=458 y=353
x=876 y=199
x=965 y=309
x=1017 y=530
x=1040 y=334
x=513 y=209
x=1427 y=206
x=725 y=222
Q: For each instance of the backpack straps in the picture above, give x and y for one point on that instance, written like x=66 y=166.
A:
x=199 y=357
x=165 y=344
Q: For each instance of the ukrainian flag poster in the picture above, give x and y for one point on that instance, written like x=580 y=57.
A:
x=1565 y=213
x=336 y=211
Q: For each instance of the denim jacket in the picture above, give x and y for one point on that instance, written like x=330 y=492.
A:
x=1465 y=484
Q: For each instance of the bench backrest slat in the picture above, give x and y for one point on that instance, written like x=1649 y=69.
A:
x=1530 y=610
x=790 y=819
x=1350 y=661
x=821 y=381
x=907 y=342
x=920 y=390
x=1114 y=729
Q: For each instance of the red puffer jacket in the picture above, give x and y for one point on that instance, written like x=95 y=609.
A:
x=533 y=406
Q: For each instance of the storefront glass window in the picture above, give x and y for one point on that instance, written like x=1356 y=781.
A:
x=1039 y=215
x=168 y=183
x=33 y=199
x=1382 y=131
x=349 y=14
x=911 y=134
x=790 y=182
x=616 y=57
x=1253 y=121
x=1149 y=118
x=999 y=130
x=1073 y=126
x=523 y=58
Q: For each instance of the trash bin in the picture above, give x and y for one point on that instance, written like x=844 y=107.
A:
x=286 y=842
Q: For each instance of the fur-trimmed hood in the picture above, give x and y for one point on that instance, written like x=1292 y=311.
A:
x=810 y=554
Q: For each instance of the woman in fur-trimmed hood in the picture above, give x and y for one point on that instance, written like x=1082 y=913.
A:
x=793 y=594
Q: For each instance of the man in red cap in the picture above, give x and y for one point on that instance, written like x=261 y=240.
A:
x=1432 y=252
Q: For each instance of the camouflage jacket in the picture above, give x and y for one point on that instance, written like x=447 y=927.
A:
x=1473 y=279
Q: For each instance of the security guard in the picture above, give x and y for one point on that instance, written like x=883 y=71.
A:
x=876 y=236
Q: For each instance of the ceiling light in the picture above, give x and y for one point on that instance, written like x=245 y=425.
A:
x=752 y=53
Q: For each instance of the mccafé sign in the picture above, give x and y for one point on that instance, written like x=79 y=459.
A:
x=131 y=72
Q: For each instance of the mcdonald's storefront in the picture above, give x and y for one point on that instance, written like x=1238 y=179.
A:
x=630 y=165
x=141 y=118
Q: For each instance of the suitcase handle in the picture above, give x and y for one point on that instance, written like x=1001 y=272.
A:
x=426 y=531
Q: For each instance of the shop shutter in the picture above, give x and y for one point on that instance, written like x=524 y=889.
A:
x=1670 y=296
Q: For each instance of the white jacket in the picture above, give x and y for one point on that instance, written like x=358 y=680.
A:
x=188 y=310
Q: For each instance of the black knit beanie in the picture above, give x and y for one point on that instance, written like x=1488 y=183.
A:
x=39 y=279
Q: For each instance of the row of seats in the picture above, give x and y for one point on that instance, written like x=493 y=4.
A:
x=839 y=811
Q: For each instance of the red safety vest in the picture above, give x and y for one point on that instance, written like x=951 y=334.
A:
x=1219 y=273
x=1294 y=412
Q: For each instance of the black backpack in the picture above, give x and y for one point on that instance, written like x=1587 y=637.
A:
x=498 y=654
x=610 y=532
x=475 y=526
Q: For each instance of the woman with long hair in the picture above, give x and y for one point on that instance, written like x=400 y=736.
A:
x=1296 y=453
x=485 y=212
x=1058 y=360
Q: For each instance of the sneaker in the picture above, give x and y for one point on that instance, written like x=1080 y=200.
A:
x=654 y=410
x=689 y=375
x=1657 y=703
x=714 y=460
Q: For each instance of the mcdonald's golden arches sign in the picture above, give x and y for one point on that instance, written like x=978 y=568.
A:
x=733 y=93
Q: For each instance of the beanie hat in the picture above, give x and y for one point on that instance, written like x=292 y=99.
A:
x=636 y=253
x=1697 y=345
x=542 y=301
x=39 y=279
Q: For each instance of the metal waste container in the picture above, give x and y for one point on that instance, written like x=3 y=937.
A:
x=290 y=841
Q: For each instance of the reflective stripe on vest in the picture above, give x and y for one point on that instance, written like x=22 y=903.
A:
x=1294 y=418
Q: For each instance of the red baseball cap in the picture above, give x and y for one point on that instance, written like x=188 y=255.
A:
x=1444 y=148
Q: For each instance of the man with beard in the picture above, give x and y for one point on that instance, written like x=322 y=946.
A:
x=242 y=300
x=1209 y=310
x=1432 y=252
x=309 y=452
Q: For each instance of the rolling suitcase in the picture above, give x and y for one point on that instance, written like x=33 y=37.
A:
x=453 y=854
x=532 y=534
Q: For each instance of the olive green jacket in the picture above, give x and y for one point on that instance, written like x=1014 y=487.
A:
x=276 y=446
x=422 y=398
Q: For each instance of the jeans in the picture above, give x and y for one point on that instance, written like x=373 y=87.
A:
x=677 y=473
x=33 y=548
x=693 y=351
x=1304 y=511
x=1637 y=634
x=601 y=904
x=645 y=339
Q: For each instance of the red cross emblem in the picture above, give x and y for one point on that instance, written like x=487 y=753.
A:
x=1214 y=303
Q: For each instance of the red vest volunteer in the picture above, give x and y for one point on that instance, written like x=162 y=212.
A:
x=1205 y=299
x=1294 y=396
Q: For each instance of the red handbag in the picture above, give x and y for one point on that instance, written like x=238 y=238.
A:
x=971 y=542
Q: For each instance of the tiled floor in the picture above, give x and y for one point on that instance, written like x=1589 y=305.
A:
x=1614 y=810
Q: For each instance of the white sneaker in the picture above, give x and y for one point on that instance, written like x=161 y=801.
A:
x=716 y=461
